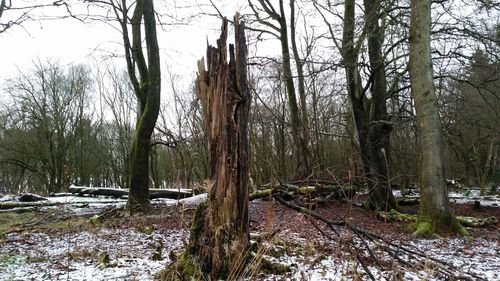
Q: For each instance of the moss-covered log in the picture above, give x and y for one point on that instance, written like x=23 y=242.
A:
x=407 y=201
x=260 y=194
x=12 y=205
x=477 y=222
x=327 y=192
x=394 y=215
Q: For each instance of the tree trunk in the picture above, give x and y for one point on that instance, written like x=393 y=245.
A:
x=148 y=97
x=301 y=148
x=381 y=197
x=219 y=236
x=359 y=102
x=434 y=212
x=305 y=128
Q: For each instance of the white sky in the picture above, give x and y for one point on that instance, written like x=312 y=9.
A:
x=71 y=41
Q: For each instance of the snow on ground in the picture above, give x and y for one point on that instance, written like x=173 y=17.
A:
x=75 y=256
x=463 y=197
x=474 y=195
x=469 y=255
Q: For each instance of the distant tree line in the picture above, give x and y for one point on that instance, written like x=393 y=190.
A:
x=335 y=103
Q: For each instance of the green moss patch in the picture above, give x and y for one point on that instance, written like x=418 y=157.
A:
x=423 y=228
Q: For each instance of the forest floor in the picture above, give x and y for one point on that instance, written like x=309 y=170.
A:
x=66 y=243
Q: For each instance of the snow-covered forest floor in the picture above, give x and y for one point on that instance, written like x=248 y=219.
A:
x=67 y=242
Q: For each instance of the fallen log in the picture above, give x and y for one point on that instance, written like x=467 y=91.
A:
x=407 y=201
x=260 y=194
x=28 y=197
x=121 y=193
x=18 y=210
x=103 y=191
x=12 y=204
x=394 y=215
x=477 y=222
x=169 y=193
x=326 y=192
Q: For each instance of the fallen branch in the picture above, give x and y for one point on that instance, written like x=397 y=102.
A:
x=403 y=255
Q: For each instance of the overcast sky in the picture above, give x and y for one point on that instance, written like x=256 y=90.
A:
x=71 y=41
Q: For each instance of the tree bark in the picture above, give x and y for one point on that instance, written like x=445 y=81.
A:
x=434 y=212
x=219 y=237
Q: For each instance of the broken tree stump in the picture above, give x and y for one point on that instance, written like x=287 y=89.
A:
x=219 y=237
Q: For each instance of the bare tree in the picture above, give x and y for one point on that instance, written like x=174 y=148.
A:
x=275 y=23
x=47 y=113
x=145 y=76
x=369 y=108
x=12 y=14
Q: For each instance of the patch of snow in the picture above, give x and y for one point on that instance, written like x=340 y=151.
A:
x=470 y=256
x=474 y=195
x=74 y=256
x=397 y=193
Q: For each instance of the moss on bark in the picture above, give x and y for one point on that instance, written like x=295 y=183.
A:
x=185 y=268
x=425 y=227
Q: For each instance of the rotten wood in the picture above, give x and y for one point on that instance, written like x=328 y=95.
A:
x=220 y=233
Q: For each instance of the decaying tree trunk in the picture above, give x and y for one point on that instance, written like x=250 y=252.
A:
x=219 y=236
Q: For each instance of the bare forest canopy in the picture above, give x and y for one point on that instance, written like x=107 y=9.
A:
x=63 y=124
